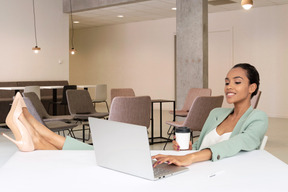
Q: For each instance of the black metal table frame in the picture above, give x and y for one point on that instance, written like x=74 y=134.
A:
x=163 y=139
x=54 y=99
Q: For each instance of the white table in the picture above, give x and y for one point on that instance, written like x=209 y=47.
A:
x=77 y=171
x=12 y=88
x=45 y=87
x=86 y=86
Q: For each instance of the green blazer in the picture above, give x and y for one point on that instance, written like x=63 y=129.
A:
x=247 y=135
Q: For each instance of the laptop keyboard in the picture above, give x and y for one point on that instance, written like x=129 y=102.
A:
x=164 y=169
x=158 y=171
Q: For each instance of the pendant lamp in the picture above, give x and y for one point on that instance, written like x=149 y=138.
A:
x=72 y=50
x=247 y=4
x=36 y=49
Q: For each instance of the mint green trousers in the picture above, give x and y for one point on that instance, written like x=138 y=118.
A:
x=73 y=144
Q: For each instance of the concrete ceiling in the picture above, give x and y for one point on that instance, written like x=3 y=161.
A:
x=152 y=10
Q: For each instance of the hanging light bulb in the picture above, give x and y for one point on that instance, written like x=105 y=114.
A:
x=36 y=49
x=72 y=50
x=247 y=4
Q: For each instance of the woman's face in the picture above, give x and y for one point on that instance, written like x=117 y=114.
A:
x=237 y=86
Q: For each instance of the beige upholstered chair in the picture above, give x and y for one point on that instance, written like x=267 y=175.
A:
x=101 y=95
x=55 y=125
x=42 y=111
x=255 y=100
x=197 y=114
x=81 y=107
x=191 y=96
x=121 y=92
x=133 y=110
x=35 y=89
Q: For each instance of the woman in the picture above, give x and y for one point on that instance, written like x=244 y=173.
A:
x=226 y=132
x=31 y=135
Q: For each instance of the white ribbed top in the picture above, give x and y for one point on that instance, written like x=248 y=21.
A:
x=212 y=138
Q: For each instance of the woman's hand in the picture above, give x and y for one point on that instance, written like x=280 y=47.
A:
x=176 y=146
x=184 y=160
x=172 y=159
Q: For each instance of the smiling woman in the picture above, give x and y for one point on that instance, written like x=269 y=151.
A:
x=226 y=131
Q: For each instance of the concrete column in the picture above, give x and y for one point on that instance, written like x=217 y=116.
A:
x=191 y=47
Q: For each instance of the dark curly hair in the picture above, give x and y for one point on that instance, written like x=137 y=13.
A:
x=252 y=75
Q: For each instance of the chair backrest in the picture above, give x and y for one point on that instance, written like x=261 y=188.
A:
x=121 y=92
x=101 y=92
x=200 y=110
x=36 y=102
x=65 y=88
x=32 y=110
x=133 y=110
x=192 y=94
x=263 y=144
x=56 y=125
x=35 y=89
x=255 y=100
x=79 y=102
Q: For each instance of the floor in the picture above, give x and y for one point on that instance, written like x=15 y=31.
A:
x=277 y=138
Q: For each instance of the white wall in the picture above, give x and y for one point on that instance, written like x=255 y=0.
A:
x=141 y=55
x=136 y=55
x=258 y=36
x=18 y=62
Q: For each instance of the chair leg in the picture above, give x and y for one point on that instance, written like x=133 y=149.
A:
x=171 y=133
x=89 y=133
x=83 y=137
x=107 y=106
x=71 y=133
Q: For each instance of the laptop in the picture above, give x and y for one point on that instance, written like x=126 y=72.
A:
x=125 y=148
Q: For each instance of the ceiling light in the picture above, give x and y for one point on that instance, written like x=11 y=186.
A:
x=120 y=16
x=36 y=49
x=247 y=4
x=174 y=8
x=76 y=22
x=72 y=50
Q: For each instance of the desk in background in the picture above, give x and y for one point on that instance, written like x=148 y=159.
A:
x=160 y=139
x=16 y=89
x=54 y=89
x=54 y=97
x=77 y=171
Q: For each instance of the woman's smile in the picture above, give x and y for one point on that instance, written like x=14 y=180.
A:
x=230 y=94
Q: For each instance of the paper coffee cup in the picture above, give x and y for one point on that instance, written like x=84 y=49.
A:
x=183 y=137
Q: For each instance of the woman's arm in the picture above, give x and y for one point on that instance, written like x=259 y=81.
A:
x=247 y=136
x=185 y=160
